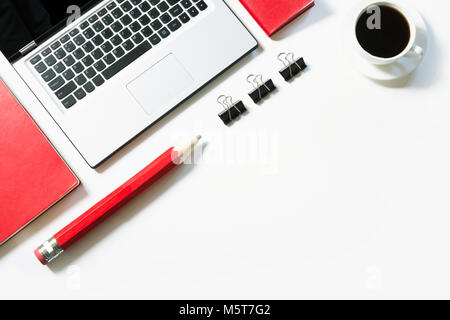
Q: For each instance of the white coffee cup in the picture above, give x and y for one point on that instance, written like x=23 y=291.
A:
x=411 y=50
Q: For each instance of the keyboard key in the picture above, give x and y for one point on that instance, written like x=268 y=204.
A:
x=79 y=40
x=155 y=39
x=165 y=18
x=56 y=45
x=66 y=90
x=147 y=32
x=118 y=52
x=172 y=2
x=144 y=20
x=186 y=3
x=107 y=33
x=74 y=32
x=35 y=60
x=97 y=54
x=46 y=52
x=135 y=27
x=154 y=13
x=84 y=25
x=137 y=38
x=98 y=26
x=48 y=75
x=202 y=5
x=59 y=67
x=156 y=25
x=102 y=12
x=164 y=32
x=69 y=61
x=154 y=2
x=163 y=6
x=126 y=60
x=98 y=80
x=78 y=67
x=88 y=33
x=174 y=25
x=93 y=18
x=128 y=45
x=60 y=53
x=79 y=94
x=176 y=11
x=193 y=11
x=50 y=60
x=40 y=67
x=78 y=54
x=107 y=20
x=111 y=6
x=90 y=72
x=69 y=46
x=116 y=26
x=64 y=38
x=107 y=47
x=89 y=87
x=117 y=13
x=99 y=66
x=126 y=20
x=57 y=83
x=184 y=18
x=69 y=102
x=144 y=6
x=116 y=40
x=125 y=33
x=80 y=79
x=135 y=13
x=136 y=2
x=126 y=6
x=68 y=75
x=97 y=40
x=109 y=59
x=88 y=46
x=87 y=61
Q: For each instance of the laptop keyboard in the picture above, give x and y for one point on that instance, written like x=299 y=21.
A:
x=107 y=42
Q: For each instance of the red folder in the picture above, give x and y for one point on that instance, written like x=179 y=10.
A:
x=272 y=15
x=33 y=176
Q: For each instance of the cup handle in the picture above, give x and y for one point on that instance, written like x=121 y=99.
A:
x=415 y=52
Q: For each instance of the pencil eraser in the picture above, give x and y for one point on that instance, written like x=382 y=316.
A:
x=40 y=257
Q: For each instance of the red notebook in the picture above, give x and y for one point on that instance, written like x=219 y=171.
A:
x=272 y=15
x=33 y=176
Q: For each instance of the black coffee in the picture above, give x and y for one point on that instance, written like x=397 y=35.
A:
x=384 y=36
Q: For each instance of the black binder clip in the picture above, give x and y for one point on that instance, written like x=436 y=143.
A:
x=232 y=110
x=292 y=67
x=262 y=89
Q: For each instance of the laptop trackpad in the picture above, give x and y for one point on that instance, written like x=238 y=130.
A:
x=160 y=87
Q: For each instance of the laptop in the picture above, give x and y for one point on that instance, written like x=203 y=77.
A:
x=107 y=70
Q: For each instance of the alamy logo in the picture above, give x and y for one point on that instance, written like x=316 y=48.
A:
x=75 y=13
x=374 y=21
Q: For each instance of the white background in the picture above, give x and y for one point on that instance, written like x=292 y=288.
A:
x=335 y=187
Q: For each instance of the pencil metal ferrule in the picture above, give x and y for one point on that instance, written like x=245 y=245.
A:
x=50 y=250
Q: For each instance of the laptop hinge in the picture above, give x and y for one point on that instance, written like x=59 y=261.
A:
x=28 y=48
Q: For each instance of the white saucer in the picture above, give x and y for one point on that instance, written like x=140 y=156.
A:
x=399 y=69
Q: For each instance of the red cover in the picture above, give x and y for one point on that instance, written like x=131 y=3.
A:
x=272 y=15
x=33 y=176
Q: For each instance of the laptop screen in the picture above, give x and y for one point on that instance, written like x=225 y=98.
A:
x=22 y=21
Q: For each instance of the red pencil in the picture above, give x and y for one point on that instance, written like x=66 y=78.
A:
x=65 y=238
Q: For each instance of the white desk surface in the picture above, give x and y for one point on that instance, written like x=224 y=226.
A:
x=335 y=187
